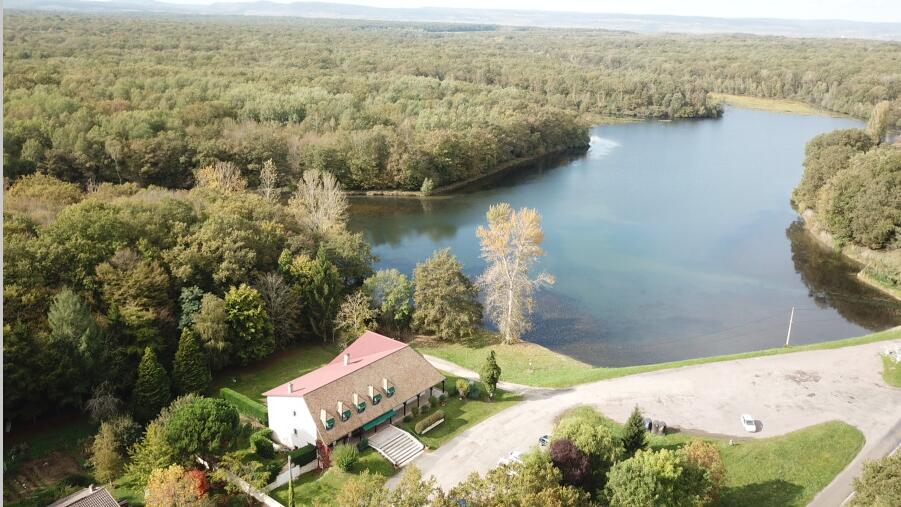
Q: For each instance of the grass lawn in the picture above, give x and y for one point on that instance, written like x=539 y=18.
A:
x=530 y=364
x=776 y=105
x=785 y=470
x=460 y=415
x=255 y=379
x=321 y=488
x=891 y=372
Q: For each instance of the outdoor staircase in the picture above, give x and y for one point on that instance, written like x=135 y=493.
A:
x=396 y=445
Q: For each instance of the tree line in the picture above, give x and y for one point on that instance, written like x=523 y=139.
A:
x=380 y=105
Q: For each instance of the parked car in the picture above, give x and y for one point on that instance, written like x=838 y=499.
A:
x=749 y=423
x=544 y=440
x=515 y=457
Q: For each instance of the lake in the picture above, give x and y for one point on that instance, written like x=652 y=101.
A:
x=668 y=241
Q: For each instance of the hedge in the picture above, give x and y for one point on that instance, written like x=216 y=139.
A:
x=245 y=405
x=261 y=443
x=428 y=421
x=303 y=455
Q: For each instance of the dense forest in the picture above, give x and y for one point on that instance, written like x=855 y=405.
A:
x=149 y=99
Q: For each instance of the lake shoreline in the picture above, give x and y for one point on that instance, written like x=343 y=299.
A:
x=450 y=188
x=860 y=255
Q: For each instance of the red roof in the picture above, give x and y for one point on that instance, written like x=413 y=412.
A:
x=365 y=350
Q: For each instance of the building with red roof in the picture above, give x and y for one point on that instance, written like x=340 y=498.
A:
x=368 y=384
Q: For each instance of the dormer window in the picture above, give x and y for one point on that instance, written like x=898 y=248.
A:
x=374 y=395
x=359 y=403
x=327 y=422
x=343 y=412
x=388 y=387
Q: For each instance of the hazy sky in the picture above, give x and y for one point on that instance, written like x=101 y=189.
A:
x=859 y=10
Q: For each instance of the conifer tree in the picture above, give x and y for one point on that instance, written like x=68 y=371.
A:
x=634 y=434
x=191 y=370
x=151 y=392
x=490 y=374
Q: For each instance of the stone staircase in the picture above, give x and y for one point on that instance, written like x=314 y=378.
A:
x=396 y=445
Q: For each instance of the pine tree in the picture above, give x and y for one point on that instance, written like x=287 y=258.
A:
x=191 y=370
x=151 y=391
x=634 y=434
x=490 y=374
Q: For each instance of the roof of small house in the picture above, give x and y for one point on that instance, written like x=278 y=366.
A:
x=89 y=497
x=373 y=360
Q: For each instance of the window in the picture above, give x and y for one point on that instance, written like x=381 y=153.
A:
x=390 y=391
x=330 y=423
x=345 y=415
x=295 y=413
x=376 y=398
x=295 y=431
x=361 y=407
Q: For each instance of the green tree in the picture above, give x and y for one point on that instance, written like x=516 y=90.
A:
x=392 y=293
x=203 y=427
x=189 y=301
x=319 y=284
x=446 y=301
x=154 y=451
x=655 y=478
x=22 y=360
x=106 y=455
x=211 y=325
x=363 y=490
x=251 y=329
x=880 y=483
x=634 y=435
x=151 y=392
x=191 y=369
x=283 y=305
x=72 y=325
x=598 y=442
x=490 y=373
x=880 y=119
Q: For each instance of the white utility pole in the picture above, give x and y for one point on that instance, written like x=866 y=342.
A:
x=790 y=320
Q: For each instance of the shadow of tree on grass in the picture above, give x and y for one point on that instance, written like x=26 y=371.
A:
x=776 y=492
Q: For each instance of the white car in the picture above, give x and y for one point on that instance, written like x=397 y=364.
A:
x=515 y=457
x=749 y=423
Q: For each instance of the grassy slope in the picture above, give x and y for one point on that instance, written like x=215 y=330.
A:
x=257 y=378
x=530 y=364
x=785 y=470
x=461 y=415
x=765 y=104
x=891 y=372
x=321 y=488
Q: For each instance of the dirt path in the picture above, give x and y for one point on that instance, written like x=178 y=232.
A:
x=785 y=393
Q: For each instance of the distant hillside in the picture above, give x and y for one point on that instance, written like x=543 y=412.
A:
x=630 y=22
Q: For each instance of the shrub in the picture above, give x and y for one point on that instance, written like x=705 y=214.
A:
x=261 y=443
x=345 y=456
x=428 y=421
x=415 y=411
x=462 y=387
x=433 y=401
x=408 y=418
x=363 y=444
x=303 y=455
x=475 y=393
x=442 y=399
x=880 y=483
x=705 y=456
x=246 y=406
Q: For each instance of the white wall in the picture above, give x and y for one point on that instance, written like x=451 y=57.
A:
x=288 y=413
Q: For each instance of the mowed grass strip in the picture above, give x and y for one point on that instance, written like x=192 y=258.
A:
x=531 y=364
x=322 y=488
x=787 y=470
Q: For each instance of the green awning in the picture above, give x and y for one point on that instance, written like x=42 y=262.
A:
x=378 y=420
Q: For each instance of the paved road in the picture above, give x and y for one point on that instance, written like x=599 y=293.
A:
x=786 y=393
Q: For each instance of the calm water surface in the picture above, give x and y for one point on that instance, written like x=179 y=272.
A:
x=669 y=240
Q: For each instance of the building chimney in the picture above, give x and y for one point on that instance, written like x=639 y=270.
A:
x=346 y=358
